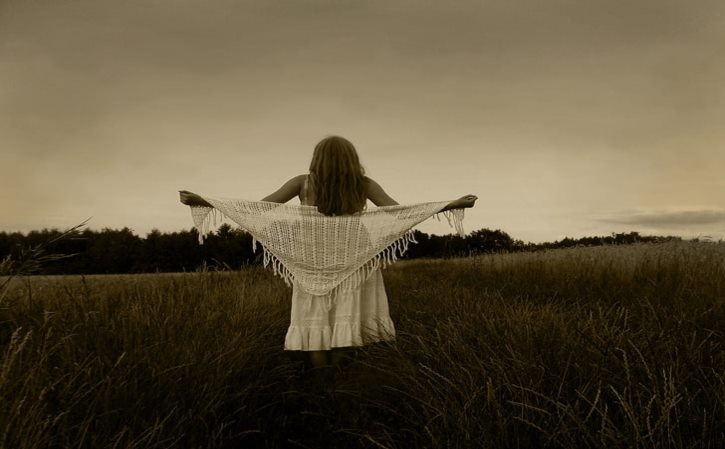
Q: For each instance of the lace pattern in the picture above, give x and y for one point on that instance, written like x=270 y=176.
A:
x=324 y=254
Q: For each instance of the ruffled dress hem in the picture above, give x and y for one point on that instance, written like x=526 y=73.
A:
x=339 y=335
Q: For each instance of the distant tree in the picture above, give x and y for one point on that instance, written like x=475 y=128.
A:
x=488 y=241
x=114 y=251
x=420 y=249
x=121 y=251
x=229 y=248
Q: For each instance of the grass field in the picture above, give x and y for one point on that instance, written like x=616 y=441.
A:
x=606 y=347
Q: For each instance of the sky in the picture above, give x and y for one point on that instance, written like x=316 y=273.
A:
x=565 y=117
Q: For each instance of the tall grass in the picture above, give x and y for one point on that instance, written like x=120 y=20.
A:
x=606 y=347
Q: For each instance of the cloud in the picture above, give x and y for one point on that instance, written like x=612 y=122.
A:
x=671 y=218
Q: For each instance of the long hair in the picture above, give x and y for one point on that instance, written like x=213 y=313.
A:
x=338 y=178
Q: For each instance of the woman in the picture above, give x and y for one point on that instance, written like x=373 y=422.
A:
x=336 y=185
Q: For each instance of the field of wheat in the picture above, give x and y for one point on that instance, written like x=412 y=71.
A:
x=590 y=347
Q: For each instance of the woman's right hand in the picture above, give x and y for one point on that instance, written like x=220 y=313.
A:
x=188 y=198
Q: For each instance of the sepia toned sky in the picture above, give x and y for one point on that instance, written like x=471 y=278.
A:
x=565 y=117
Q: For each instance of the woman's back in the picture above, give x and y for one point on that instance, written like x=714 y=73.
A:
x=349 y=317
x=373 y=192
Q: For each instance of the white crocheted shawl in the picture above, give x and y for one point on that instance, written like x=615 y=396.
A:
x=323 y=254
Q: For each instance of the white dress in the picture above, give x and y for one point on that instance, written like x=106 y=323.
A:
x=352 y=318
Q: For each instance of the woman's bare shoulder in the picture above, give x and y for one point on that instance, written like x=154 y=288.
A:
x=296 y=181
x=369 y=181
x=376 y=194
x=289 y=190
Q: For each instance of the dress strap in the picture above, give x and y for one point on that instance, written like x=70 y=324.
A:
x=305 y=186
x=305 y=192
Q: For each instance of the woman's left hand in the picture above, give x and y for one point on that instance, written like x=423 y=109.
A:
x=467 y=201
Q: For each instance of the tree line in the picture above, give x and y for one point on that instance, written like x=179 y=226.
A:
x=121 y=251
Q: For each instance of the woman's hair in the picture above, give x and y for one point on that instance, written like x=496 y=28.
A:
x=338 y=177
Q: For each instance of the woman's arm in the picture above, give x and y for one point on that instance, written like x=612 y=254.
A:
x=377 y=195
x=462 y=202
x=289 y=190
